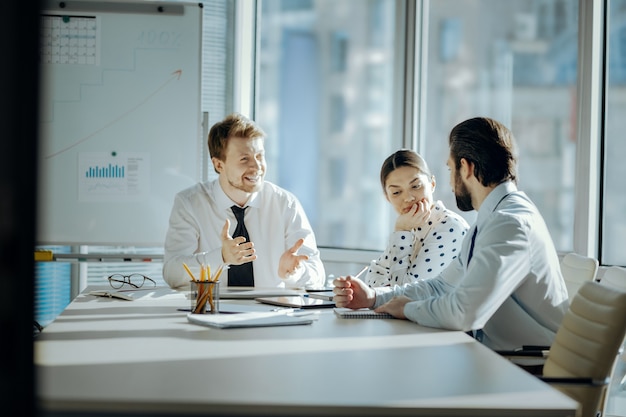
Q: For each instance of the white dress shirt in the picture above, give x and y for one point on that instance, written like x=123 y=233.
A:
x=422 y=253
x=512 y=289
x=275 y=221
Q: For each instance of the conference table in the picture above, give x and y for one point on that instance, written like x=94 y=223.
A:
x=106 y=356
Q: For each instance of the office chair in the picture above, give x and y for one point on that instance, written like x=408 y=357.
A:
x=616 y=277
x=577 y=269
x=581 y=359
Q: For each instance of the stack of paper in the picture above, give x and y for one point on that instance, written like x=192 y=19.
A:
x=252 y=319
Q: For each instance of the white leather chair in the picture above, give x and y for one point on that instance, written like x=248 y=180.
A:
x=615 y=277
x=577 y=269
x=582 y=357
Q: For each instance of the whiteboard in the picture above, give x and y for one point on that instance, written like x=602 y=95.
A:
x=120 y=119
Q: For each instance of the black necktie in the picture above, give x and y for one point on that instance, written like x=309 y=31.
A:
x=477 y=334
x=471 y=249
x=240 y=275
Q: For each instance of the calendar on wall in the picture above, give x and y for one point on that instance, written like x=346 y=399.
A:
x=69 y=40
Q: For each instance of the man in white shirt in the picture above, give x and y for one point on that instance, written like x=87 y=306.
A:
x=280 y=247
x=506 y=285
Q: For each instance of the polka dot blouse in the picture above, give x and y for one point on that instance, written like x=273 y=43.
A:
x=421 y=253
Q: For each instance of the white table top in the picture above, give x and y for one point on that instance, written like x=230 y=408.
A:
x=105 y=355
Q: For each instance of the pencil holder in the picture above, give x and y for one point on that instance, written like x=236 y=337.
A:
x=205 y=297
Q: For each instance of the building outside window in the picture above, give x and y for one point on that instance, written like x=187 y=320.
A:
x=514 y=61
x=326 y=98
x=614 y=197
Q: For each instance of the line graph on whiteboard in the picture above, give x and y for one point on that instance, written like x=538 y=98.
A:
x=75 y=40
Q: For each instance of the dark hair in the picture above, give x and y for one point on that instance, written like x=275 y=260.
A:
x=234 y=125
x=487 y=144
x=403 y=158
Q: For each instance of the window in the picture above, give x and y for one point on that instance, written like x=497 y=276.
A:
x=325 y=97
x=514 y=61
x=614 y=198
x=333 y=94
x=218 y=42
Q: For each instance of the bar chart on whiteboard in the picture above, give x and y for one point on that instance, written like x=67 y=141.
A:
x=120 y=119
x=124 y=177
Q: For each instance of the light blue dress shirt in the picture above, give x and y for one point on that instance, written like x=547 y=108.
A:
x=275 y=221
x=512 y=289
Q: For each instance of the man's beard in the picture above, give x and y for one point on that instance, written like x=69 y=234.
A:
x=246 y=188
x=462 y=194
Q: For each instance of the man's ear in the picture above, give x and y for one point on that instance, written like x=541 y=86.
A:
x=467 y=169
x=218 y=164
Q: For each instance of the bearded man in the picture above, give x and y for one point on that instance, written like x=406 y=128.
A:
x=505 y=287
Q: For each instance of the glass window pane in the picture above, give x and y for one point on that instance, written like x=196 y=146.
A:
x=614 y=197
x=218 y=48
x=325 y=95
x=514 y=61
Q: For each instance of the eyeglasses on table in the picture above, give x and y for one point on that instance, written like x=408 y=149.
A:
x=134 y=280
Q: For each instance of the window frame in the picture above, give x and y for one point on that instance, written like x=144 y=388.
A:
x=590 y=127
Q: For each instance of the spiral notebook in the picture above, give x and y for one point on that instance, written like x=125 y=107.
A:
x=363 y=313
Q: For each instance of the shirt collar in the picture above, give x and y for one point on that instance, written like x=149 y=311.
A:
x=225 y=203
x=493 y=199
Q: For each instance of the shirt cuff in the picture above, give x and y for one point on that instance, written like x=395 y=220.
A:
x=383 y=294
